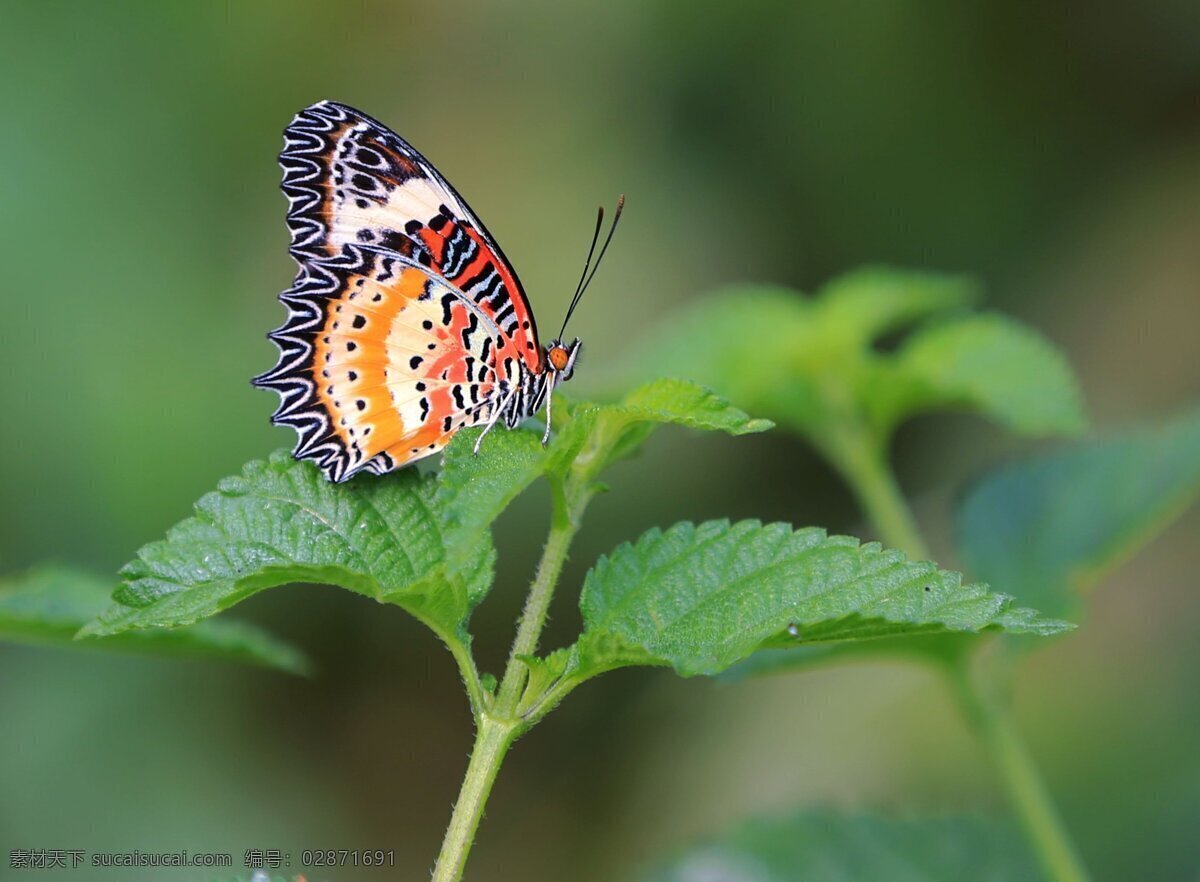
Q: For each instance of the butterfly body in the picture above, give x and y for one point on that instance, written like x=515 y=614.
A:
x=405 y=322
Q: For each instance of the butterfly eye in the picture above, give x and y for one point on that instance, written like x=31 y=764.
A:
x=559 y=357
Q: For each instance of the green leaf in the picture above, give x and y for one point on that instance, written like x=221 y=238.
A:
x=1049 y=526
x=756 y=345
x=474 y=489
x=832 y=847
x=684 y=403
x=49 y=604
x=282 y=522
x=600 y=434
x=812 y=364
x=865 y=303
x=701 y=598
x=988 y=364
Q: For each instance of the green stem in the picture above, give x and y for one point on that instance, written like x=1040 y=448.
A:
x=492 y=741
x=864 y=464
x=1026 y=790
x=470 y=676
x=564 y=524
x=499 y=726
x=865 y=467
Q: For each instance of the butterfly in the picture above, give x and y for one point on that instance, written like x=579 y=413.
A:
x=406 y=323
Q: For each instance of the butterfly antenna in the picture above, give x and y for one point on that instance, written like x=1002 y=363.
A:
x=586 y=265
x=586 y=279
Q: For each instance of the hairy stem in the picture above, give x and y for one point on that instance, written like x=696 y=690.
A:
x=1026 y=790
x=499 y=726
x=564 y=524
x=492 y=740
x=865 y=467
x=470 y=676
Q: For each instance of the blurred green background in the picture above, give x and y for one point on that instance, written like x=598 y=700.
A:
x=1052 y=149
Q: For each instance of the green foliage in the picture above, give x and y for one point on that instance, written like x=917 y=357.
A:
x=49 y=604
x=700 y=598
x=417 y=542
x=827 y=847
x=819 y=367
x=987 y=364
x=812 y=364
x=282 y=522
x=473 y=490
x=601 y=434
x=1048 y=526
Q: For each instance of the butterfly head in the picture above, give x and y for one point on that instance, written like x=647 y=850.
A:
x=560 y=358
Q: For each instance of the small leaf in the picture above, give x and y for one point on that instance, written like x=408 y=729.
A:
x=542 y=675
x=684 y=403
x=832 y=847
x=600 y=434
x=701 y=598
x=282 y=522
x=49 y=604
x=984 y=363
x=1046 y=527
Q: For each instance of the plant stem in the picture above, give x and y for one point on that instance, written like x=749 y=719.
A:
x=1026 y=790
x=466 y=669
x=564 y=524
x=498 y=727
x=492 y=740
x=865 y=467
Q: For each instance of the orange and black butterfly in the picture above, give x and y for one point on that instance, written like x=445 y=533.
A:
x=405 y=322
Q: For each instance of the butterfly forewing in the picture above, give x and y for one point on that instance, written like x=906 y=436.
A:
x=405 y=319
x=350 y=180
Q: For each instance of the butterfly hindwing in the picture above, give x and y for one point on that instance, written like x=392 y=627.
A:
x=381 y=362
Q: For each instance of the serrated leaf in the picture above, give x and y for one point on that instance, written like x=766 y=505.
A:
x=1048 y=526
x=49 y=604
x=282 y=522
x=701 y=598
x=816 y=846
x=684 y=403
x=983 y=363
x=811 y=363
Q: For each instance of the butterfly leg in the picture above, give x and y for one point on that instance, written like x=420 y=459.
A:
x=496 y=414
x=549 y=399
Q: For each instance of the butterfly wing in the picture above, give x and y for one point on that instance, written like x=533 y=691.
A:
x=381 y=363
x=405 y=315
x=352 y=181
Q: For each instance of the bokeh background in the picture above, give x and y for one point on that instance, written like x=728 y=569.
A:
x=1052 y=149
